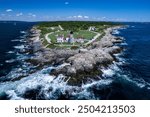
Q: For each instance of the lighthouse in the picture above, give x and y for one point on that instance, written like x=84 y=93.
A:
x=71 y=37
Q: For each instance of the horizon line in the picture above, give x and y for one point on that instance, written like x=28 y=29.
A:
x=74 y=20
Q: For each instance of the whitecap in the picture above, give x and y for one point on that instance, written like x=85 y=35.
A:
x=10 y=52
x=124 y=44
x=52 y=87
x=138 y=83
x=23 y=32
x=13 y=95
x=19 y=47
x=108 y=72
x=123 y=28
x=32 y=81
x=100 y=82
x=116 y=32
x=120 y=59
x=15 y=40
x=115 y=67
x=23 y=40
x=10 y=61
x=22 y=37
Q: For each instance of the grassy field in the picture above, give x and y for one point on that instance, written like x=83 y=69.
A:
x=85 y=34
x=76 y=25
x=80 y=29
x=82 y=33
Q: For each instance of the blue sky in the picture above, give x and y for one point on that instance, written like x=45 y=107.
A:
x=98 y=10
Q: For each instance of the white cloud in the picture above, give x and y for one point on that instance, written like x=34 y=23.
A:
x=103 y=17
x=69 y=17
x=31 y=15
x=80 y=16
x=3 y=14
x=86 y=17
x=19 y=14
x=66 y=3
x=9 y=10
x=74 y=16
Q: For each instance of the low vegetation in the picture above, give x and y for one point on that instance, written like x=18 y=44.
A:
x=79 y=28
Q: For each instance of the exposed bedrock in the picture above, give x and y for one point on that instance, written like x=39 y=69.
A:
x=99 y=54
x=81 y=63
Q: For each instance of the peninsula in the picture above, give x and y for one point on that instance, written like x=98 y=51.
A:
x=76 y=49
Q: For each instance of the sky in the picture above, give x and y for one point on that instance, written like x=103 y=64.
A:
x=88 y=10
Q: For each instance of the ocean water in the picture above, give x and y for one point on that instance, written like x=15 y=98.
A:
x=128 y=78
x=12 y=38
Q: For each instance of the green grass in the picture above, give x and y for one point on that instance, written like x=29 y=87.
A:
x=80 y=29
x=75 y=25
x=52 y=37
x=83 y=33
x=44 y=42
x=65 y=33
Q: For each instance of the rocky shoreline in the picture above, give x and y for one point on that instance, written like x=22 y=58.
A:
x=80 y=64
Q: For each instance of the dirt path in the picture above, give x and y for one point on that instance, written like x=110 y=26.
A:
x=89 y=42
x=95 y=37
x=61 y=27
x=47 y=38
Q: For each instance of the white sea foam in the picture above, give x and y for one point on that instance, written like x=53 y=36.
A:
x=23 y=40
x=123 y=28
x=100 y=82
x=138 y=83
x=23 y=32
x=13 y=95
x=116 y=32
x=10 y=61
x=124 y=44
x=120 y=59
x=19 y=47
x=31 y=82
x=108 y=72
x=10 y=52
x=111 y=70
x=52 y=87
x=15 y=40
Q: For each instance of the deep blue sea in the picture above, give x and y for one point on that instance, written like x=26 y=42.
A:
x=128 y=78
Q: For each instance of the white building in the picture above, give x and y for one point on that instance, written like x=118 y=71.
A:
x=79 y=40
x=60 y=39
x=92 y=28
x=67 y=39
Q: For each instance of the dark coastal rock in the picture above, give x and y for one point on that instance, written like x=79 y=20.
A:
x=84 y=62
x=83 y=50
x=53 y=56
x=113 y=50
x=37 y=46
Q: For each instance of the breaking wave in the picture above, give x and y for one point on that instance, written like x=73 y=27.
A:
x=41 y=85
